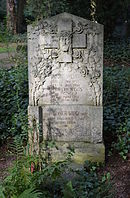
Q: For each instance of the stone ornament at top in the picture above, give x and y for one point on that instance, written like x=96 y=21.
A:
x=65 y=58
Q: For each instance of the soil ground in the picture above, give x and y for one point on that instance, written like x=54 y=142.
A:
x=120 y=175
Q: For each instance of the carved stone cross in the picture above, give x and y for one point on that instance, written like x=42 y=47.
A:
x=65 y=39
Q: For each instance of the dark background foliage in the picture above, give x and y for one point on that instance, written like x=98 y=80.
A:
x=2 y=9
x=115 y=15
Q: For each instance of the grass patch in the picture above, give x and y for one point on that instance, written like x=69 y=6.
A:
x=7 y=48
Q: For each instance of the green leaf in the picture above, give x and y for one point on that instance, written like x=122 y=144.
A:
x=30 y=193
x=69 y=191
x=1 y=192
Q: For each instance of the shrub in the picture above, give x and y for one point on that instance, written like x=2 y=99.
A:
x=13 y=100
x=118 y=51
x=50 y=179
x=123 y=139
x=116 y=102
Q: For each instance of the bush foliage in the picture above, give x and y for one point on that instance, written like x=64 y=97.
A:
x=53 y=179
x=117 y=51
x=13 y=100
x=116 y=96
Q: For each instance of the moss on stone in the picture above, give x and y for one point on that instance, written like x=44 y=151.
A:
x=82 y=151
x=95 y=153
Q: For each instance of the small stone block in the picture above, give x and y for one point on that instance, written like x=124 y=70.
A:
x=64 y=25
x=79 y=41
x=65 y=58
x=49 y=41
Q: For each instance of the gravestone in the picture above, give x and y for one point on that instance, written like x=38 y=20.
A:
x=65 y=66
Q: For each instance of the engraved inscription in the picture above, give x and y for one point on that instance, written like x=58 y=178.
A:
x=68 y=92
x=66 y=123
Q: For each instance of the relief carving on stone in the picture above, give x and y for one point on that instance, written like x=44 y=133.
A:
x=50 y=28
x=65 y=47
x=78 y=46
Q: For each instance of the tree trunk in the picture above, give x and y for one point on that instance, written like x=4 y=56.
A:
x=20 y=15
x=11 y=16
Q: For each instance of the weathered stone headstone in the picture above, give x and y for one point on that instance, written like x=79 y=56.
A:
x=65 y=58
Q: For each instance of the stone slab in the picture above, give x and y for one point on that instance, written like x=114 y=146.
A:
x=67 y=85
x=61 y=43
x=82 y=152
x=72 y=123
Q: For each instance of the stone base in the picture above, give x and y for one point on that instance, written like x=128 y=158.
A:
x=82 y=152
